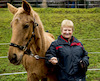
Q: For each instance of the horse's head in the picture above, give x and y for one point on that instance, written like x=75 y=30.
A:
x=22 y=28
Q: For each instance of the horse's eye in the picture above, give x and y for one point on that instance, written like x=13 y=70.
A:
x=26 y=26
x=27 y=38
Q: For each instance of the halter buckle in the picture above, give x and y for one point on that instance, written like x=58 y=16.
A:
x=24 y=48
x=36 y=57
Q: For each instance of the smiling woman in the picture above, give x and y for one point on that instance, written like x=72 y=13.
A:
x=67 y=28
x=68 y=55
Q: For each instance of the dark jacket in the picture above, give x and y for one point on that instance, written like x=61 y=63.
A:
x=69 y=56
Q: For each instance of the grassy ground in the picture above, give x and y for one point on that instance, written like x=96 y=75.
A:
x=87 y=26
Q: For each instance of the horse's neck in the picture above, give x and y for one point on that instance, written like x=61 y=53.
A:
x=39 y=46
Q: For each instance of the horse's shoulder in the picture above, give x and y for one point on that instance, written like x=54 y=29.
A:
x=50 y=35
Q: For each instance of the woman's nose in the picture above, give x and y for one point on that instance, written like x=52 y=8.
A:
x=67 y=31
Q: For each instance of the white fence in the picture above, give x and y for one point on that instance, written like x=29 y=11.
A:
x=2 y=57
x=26 y=72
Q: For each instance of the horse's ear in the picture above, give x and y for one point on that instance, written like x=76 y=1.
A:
x=12 y=9
x=26 y=6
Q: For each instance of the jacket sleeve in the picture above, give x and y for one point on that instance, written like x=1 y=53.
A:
x=51 y=52
x=85 y=58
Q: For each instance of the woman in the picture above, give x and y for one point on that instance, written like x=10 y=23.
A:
x=68 y=55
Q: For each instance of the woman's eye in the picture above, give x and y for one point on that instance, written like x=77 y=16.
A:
x=26 y=26
x=69 y=30
x=65 y=30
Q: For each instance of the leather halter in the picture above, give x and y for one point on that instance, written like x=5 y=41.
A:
x=24 y=48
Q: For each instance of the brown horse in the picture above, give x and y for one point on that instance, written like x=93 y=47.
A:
x=28 y=38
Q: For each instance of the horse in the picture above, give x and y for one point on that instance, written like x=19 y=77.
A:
x=28 y=40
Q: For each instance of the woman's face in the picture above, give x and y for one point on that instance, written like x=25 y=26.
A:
x=67 y=32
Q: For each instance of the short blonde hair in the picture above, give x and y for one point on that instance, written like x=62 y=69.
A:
x=67 y=23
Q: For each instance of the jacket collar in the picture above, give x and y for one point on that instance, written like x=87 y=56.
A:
x=62 y=40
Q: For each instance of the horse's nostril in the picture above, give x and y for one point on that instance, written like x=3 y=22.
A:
x=14 y=58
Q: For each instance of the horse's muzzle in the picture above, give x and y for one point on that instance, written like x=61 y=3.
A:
x=14 y=59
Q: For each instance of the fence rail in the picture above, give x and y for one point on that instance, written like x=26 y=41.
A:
x=4 y=57
x=78 y=39
x=12 y=73
x=4 y=43
x=88 y=52
x=55 y=3
x=26 y=72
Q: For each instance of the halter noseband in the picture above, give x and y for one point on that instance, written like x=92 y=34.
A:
x=24 y=48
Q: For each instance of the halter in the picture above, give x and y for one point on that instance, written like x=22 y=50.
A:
x=24 y=48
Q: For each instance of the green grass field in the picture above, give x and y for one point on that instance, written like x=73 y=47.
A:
x=87 y=26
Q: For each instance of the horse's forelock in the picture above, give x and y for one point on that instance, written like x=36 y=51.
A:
x=19 y=15
x=33 y=14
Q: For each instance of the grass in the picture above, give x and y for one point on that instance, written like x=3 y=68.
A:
x=87 y=26
x=22 y=77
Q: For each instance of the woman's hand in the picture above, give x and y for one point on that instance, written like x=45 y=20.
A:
x=53 y=60
x=82 y=63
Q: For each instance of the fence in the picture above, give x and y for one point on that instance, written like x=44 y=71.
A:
x=2 y=57
x=55 y=3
